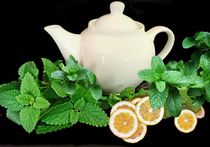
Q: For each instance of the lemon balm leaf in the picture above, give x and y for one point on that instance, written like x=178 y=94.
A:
x=8 y=100
x=49 y=67
x=93 y=115
x=96 y=92
x=13 y=116
x=57 y=86
x=74 y=117
x=29 y=117
x=29 y=86
x=28 y=67
x=45 y=128
x=59 y=115
x=40 y=103
x=14 y=85
x=25 y=99
x=79 y=104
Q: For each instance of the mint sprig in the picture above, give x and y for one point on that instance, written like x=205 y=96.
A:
x=179 y=85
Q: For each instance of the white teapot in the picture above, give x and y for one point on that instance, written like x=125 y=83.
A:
x=114 y=47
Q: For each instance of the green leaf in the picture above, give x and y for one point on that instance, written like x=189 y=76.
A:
x=50 y=94
x=174 y=103
x=28 y=67
x=82 y=92
x=189 y=69
x=205 y=61
x=194 y=92
x=195 y=57
x=199 y=101
x=80 y=104
x=183 y=92
x=72 y=77
x=160 y=85
x=141 y=93
x=29 y=86
x=96 y=92
x=114 y=98
x=71 y=60
x=158 y=65
x=127 y=92
x=91 y=77
x=147 y=75
x=207 y=40
x=93 y=115
x=58 y=74
x=13 y=116
x=188 y=42
x=195 y=107
x=49 y=67
x=59 y=115
x=207 y=93
x=79 y=93
x=57 y=86
x=179 y=79
x=40 y=103
x=173 y=65
x=25 y=99
x=69 y=88
x=8 y=100
x=74 y=117
x=167 y=113
x=29 y=117
x=200 y=35
x=14 y=85
x=71 y=66
x=45 y=128
x=172 y=76
x=157 y=98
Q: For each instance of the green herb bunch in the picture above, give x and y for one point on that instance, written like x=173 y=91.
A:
x=65 y=95
x=178 y=85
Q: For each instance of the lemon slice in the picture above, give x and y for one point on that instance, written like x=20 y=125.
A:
x=124 y=105
x=136 y=100
x=201 y=113
x=123 y=123
x=138 y=135
x=146 y=114
x=186 y=121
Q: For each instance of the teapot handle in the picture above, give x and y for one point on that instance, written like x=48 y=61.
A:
x=170 y=42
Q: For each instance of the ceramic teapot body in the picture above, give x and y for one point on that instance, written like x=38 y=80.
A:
x=115 y=50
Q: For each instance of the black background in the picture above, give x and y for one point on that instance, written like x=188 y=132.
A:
x=23 y=39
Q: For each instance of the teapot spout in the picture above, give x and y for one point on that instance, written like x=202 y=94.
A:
x=67 y=42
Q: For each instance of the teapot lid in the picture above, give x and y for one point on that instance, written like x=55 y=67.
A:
x=115 y=22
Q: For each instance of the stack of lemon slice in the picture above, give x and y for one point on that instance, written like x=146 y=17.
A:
x=129 y=120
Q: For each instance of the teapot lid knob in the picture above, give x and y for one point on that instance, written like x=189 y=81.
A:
x=117 y=7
